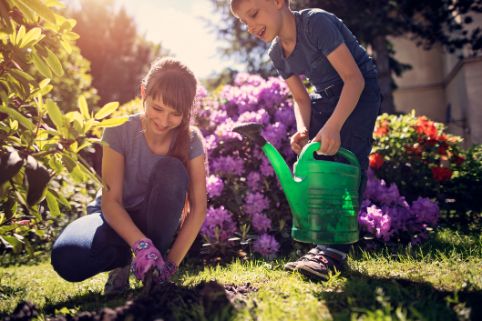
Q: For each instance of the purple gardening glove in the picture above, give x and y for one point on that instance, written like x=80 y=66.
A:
x=146 y=257
x=166 y=271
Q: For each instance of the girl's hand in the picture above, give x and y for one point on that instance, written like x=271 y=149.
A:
x=329 y=137
x=299 y=140
x=147 y=256
x=166 y=271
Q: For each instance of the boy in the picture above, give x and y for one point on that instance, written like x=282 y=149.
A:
x=343 y=110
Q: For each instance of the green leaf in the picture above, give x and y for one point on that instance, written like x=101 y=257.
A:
x=54 y=63
x=112 y=122
x=18 y=116
x=106 y=110
x=41 y=65
x=54 y=113
x=19 y=36
x=84 y=109
x=31 y=38
x=52 y=204
x=39 y=8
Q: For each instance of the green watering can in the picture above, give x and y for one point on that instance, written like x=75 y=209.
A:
x=323 y=195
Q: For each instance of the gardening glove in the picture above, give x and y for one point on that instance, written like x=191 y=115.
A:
x=146 y=257
x=166 y=271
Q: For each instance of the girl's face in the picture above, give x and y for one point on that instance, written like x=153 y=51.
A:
x=161 y=118
x=262 y=17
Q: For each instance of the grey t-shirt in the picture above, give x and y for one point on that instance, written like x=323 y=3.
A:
x=129 y=140
x=318 y=33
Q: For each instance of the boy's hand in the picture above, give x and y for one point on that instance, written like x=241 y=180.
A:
x=329 y=137
x=298 y=141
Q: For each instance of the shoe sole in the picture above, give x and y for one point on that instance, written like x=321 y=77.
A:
x=312 y=274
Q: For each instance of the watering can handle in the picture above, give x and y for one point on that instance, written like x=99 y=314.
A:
x=309 y=149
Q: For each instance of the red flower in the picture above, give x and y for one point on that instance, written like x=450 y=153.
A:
x=441 y=174
x=415 y=149
x=23 y=222
x=382 y=129
x=376 y=160
x=426 y=127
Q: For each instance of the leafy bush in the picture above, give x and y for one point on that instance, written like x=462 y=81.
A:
x=419 y=156
x=39 y=145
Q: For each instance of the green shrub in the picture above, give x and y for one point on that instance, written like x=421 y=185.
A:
x=37 y=141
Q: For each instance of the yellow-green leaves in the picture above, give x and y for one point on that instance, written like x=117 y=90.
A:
x=54 y=113
x=84 y=109
x=112 y=122
x=106 y=110
x=54 y=63
x=39 y=8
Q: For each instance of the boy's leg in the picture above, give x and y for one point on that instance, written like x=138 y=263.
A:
x=88 y=246
x=356 y=136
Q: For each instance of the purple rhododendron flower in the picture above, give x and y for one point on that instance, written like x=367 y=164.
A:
x=218 y=225
x=261 y=223
x=214 y=186
x=227 y=165
x=260 y=117
x=275 y=134
x=266 y=245
x=253 y=181
x=388 y=194
x=266 y=169
x=376 y=222
x=426 y=211
x=255 y=203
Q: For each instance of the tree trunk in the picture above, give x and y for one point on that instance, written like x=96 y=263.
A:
x=384 y=73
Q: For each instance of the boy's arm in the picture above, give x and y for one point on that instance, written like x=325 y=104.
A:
x=197 y=211
x=302 y=103
x=353 y=83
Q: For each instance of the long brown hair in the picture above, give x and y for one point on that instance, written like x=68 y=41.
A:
x=175 y=83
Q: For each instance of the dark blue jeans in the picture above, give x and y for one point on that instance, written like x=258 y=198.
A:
x=88 y=245
x=356 y=133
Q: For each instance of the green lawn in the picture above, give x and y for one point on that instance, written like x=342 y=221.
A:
x=440 y=281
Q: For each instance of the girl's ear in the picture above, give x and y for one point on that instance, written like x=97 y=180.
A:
x=143 y=91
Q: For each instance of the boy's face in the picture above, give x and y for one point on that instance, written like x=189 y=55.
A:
x=262 y=17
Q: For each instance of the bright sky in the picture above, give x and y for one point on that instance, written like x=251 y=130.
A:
x=179 y=27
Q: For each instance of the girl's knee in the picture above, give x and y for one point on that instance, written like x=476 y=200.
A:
x=67 y=262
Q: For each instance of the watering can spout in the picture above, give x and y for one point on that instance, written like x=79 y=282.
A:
x=289 y=184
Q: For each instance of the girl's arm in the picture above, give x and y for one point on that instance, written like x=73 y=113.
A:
x=112 y=208
x=302 y=103
x=353 y=83
x=195 y=218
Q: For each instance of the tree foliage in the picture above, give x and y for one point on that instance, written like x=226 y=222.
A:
x=118 y=55
x=37 y=141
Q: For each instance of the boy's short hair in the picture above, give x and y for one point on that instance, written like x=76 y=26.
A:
x=234 y=4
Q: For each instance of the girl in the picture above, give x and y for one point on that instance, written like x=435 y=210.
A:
x=343 y=110
x=153 y=172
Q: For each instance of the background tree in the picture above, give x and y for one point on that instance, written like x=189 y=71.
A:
x=428 y=22
x=119 y=56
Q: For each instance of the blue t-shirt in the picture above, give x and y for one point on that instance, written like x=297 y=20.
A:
x=129 y=140
x=318 y=33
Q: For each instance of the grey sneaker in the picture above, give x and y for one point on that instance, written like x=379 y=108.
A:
x=318 y=263
x=118 y=281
